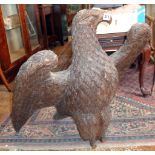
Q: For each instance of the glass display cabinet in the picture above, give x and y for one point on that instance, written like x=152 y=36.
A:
x=20 y=35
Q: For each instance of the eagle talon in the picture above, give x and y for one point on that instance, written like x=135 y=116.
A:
x=93 y=144
x=58 y=116
x=101 y=139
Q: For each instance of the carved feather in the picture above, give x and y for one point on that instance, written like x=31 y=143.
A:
x=86 y=88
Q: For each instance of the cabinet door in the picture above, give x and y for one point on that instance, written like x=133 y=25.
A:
x=33 y=25
x=13 y=30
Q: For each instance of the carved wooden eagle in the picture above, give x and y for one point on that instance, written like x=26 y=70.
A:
x=86 y=88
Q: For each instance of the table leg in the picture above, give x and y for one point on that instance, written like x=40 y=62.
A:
x=4 y=80
x=143 y=62
x=153 y=85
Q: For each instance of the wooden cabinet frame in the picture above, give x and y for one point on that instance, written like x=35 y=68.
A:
x=9 y=68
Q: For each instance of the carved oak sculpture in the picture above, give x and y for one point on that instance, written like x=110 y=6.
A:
x=84 y=90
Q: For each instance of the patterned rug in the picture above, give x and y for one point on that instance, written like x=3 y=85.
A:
x=133 y=124
x=129 y=86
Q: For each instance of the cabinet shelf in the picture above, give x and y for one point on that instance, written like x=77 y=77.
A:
x=12 y=22
x=12 y=27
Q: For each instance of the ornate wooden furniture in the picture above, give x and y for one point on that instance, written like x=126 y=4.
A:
x=47 y=22
x=21 y=36
x=60 y=22
x=54 y=23
x=111 y=42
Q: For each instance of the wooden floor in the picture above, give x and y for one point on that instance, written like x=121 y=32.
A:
x=5 y=103
x=64 y=55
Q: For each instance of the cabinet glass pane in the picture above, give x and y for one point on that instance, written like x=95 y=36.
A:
x=13 y=31
x=32 y=25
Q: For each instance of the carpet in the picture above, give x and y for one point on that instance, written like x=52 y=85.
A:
x=132 y=124
x=129 y=86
